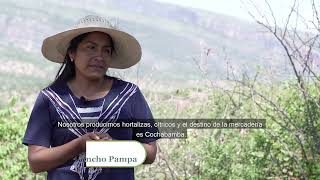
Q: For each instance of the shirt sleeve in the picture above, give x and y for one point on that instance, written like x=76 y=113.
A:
x=142 y=113
x=39 y=128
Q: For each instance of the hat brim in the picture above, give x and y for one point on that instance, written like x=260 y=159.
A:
x=127 y=48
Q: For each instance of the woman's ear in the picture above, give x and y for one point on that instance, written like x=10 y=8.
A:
x=71 y=55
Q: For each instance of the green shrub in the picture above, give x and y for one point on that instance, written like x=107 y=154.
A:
x=13 y=154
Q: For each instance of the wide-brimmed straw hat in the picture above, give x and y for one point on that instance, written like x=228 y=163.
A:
x=127 y=48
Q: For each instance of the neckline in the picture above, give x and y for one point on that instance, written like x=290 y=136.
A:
x=78 y=100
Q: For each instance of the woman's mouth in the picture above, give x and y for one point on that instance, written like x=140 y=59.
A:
x=96 y=67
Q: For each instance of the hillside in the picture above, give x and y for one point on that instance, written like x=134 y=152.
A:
x=171 y=37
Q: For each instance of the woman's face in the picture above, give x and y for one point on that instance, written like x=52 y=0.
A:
x=92 y=56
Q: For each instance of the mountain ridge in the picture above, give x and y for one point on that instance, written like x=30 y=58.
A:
x=171 y=36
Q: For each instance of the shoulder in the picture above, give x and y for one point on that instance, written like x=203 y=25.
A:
x=55 y=89
x=124 y=86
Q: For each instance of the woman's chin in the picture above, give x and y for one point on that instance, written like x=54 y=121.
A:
x=95 y=76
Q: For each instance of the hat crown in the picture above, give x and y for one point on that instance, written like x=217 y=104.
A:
x=95 y=21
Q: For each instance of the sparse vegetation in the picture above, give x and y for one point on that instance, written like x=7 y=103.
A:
x=205 y=154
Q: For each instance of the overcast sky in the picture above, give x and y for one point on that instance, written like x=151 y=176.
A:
x=236 y=8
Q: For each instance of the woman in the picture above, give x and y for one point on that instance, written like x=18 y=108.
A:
x=82 y=93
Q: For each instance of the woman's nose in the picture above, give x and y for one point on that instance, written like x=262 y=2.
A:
x=100 y=53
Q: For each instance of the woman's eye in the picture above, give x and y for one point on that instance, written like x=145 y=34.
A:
x=90 y=47
x=107 y=51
